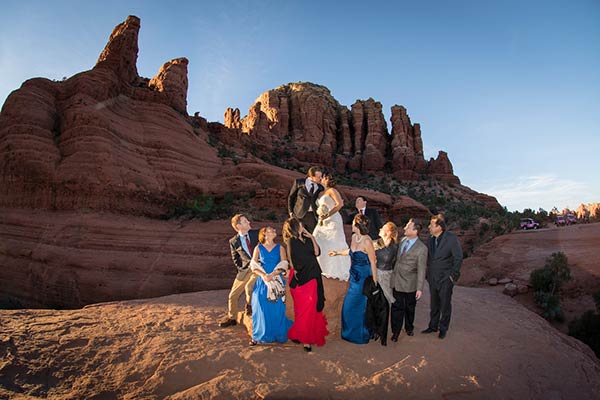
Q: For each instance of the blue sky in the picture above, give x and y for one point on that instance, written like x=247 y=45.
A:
x=510 y=89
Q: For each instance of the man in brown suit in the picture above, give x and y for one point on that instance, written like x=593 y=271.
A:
x=408 y=279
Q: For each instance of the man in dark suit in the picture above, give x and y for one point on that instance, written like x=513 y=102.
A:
x=302 y=200
x=443 y=270
x=408 y=279
x=375 y=223
x=241 y=246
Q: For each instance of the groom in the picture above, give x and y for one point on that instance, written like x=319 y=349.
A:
x=303 y=196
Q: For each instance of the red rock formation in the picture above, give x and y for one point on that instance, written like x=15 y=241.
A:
x=371 y=135
x=232 y=118
x=301 y=122
x=107 y=142
x=299 y=117
x=441 y=168
x=173 y=82
x=587 y=211
x=406 y=146
x=405 y=208
x=104 y=139
x=120 y=53
x=517 y=254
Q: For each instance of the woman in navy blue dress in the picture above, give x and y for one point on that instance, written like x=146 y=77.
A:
x=364 y=264
x=269 y=323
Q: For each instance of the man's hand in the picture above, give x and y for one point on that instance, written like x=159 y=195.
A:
x=418 y=295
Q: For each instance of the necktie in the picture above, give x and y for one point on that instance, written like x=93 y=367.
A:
x=362 y=211
x=404 y=248
x=312 y=189
x=248 y=244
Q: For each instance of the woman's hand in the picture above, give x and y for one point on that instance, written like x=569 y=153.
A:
x=267 y=278
x=306 y=233
x=332 y=253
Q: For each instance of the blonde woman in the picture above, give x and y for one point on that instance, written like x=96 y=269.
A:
x=386 y=251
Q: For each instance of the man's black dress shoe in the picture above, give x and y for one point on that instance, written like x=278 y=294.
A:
x=429 y=330
x=248 y=310
x=395 y=337
x=228 y=322
x=410 y=333
x=442 y=334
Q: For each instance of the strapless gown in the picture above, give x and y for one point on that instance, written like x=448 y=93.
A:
x=330 y=237
x=354 y=309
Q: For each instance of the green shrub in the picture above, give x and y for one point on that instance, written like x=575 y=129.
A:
x=587 y=327
x=555 y=272
x=550 y=304
x=546 y=283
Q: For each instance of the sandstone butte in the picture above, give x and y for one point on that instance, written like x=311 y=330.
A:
x=88 y=164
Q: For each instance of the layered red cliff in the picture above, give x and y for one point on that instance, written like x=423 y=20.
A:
x=107 y=141
x=304 y=124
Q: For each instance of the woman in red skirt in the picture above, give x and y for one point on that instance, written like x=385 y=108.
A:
x=306 y=286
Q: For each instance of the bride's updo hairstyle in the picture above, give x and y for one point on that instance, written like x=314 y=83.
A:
x=362 y=223
x=331 y=180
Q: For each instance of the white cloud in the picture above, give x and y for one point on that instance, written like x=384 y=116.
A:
x=545 y=191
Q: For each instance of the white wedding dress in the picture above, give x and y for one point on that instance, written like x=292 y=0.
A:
x=330 y=237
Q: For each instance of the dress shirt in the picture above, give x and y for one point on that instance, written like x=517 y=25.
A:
x=408 y=243
x=244 y=244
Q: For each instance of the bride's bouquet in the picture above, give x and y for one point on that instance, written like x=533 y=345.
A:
x=322 y=212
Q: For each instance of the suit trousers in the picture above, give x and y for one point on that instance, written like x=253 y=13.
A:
x=309 y=221
x=441 y=305
x=403 y=311
x=239 y=286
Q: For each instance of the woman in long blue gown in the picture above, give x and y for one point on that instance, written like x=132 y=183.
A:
x=269 y=323
x=363 y=265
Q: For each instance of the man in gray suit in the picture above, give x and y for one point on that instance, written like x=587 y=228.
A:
x=408 y=279
x=443 y=270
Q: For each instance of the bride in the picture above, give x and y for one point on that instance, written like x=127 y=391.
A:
x=329 y=232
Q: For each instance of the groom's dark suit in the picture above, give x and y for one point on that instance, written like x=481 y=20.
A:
x=300 y=200
x=443 y=270
x=375 y=223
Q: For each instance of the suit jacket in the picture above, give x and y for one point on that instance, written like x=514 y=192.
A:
x=410 y=268
x=300 y=200
x=444 y=261
x=375 y=223
x=377 y=312
x=240 y=258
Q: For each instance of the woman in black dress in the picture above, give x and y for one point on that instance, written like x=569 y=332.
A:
x=306 y=286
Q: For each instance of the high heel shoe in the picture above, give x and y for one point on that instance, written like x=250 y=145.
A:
x=253 y=343
x=307 y=348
